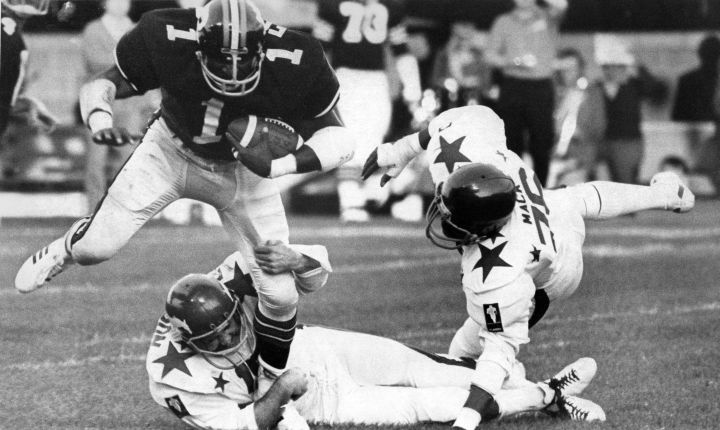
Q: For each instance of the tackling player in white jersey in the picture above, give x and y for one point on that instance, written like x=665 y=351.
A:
x=202 y=362
x=521 y=245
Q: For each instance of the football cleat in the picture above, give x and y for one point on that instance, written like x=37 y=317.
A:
x=573 y=378
x=50 y=261
x=678 y=197
x=579 y=409
x=42 y=266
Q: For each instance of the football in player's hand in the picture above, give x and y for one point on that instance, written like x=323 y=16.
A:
x=257 y=141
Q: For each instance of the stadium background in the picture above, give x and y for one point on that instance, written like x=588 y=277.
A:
x=663 y=34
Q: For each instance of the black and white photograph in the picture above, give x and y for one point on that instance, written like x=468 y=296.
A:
x=382 y=214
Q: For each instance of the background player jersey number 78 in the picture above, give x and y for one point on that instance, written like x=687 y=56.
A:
x=365 y=21
x=214 y=106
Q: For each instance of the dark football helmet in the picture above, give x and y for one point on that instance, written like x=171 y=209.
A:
x=27 y=7
x=211 y=320
x=230 y=34
x=475 y=201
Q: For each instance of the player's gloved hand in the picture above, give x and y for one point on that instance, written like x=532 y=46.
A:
x=393 y=156
x=275 y=257
x=291 y=419
x=113 y=136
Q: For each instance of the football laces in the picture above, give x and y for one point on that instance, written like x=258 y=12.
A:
x=280 y=123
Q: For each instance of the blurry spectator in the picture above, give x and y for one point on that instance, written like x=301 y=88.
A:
x=460 y=72
x=522 y=44
x=98 y=46
x=579 y=121
x=695 y=88
x=13 y=54
x=624 y=86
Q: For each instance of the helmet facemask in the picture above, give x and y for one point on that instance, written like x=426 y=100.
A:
x=227 y=345
x=230 y=35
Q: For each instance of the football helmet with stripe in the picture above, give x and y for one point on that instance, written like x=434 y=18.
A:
x=210 y=320
x=230 y=35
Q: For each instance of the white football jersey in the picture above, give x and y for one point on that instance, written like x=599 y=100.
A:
x=538 y=248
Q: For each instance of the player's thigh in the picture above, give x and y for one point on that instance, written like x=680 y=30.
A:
x=149 y=180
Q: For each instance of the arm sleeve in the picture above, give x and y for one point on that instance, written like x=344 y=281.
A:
x=325 y=90
x=134 y=59
x=503 y=314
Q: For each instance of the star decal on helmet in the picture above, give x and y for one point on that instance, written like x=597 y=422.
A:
x=450 y=153
x=174 y=360
x=490 y=258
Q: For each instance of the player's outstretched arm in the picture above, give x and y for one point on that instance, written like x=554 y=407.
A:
x=96 y=99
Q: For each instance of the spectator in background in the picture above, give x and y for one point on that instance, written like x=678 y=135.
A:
x=579 y=121
x=695 y=88
x=522 y=44
x=624 y=86
x=98 y=47
x=460 y=72
x=13 y=55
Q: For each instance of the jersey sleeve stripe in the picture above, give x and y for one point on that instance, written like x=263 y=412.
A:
x=331 y=105
x=117 y=63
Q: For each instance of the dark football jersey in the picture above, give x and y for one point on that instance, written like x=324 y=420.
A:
x=11 y=48
x=296 y=81
x=361 y=30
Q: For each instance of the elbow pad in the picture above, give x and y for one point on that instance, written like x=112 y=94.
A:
x=332 y=146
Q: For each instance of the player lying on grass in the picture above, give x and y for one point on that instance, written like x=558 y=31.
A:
x=521 y=245
x=202 y=363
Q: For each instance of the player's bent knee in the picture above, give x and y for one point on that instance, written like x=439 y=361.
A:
x=278 y=295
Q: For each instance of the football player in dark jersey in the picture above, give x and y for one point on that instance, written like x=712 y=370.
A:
x=13 y=54
x=359 y=33
x=212 y=64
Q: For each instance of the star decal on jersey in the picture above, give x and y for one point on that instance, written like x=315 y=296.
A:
x=535 y=254
x=241 y=284
x=174 y=360
x=490 y=258
x=450 y=153
x=220 y=382
x=494 y=235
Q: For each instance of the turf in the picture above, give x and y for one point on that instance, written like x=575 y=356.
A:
x=72 y=354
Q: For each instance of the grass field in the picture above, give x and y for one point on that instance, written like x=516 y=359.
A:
x=72 y=354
